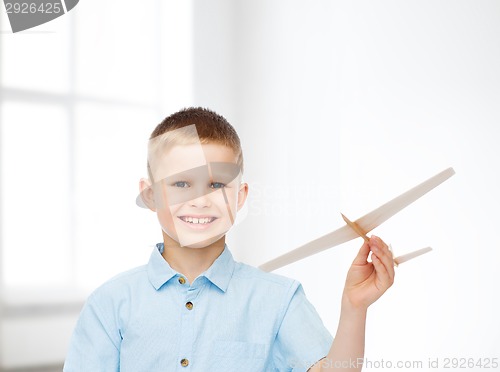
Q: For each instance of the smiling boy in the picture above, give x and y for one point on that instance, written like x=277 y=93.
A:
x=192 y=307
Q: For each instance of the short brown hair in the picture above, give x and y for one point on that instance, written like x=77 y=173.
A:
x=210 y=127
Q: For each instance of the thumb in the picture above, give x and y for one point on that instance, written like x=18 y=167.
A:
x=362 y=256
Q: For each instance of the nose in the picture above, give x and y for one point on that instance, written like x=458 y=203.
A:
x=203 y=198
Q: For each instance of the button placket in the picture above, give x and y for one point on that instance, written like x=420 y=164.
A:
x=188 y=331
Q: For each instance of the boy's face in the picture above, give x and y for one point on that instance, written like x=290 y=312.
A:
x=199 y=193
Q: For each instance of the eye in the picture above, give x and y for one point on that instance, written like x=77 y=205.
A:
x=182 y=184
x=217 y=185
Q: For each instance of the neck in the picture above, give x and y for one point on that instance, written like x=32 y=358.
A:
x=191 y=262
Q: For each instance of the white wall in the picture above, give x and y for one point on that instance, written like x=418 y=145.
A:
x=344 y=105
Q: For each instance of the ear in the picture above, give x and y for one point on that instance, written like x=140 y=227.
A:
x=242 y=194
x=146 y=197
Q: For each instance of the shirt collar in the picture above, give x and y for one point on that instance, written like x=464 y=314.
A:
x=219 y=273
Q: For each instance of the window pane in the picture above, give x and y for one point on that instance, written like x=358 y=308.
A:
x=113 y=233
x=35 y=195
x=37 y=59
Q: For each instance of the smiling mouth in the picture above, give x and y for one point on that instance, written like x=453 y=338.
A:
x=197 y=220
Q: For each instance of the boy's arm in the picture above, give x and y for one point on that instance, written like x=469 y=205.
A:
x=365 y=283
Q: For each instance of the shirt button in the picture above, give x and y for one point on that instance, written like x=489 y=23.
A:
x=182 y=280
x=189 y=305
x=184 y=362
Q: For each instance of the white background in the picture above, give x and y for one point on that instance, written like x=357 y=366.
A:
x=340 y=106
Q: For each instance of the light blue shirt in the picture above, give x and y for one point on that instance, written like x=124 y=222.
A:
x=233 y=318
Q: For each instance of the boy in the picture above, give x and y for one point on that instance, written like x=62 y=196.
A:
x=192 y=307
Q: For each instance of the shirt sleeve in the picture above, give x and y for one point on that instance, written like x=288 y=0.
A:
x=302 y=338
x=95 y=343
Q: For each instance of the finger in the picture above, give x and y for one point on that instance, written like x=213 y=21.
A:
x=378 y=242
x=387 y=260
x=362 y=256
x=384 y=254
x=381 y=270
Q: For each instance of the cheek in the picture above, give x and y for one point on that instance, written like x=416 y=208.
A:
x=166 y=222
x=230 y=208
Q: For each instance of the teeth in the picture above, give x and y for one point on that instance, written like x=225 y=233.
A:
x=198 y=220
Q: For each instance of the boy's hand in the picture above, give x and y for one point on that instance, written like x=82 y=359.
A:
x=367 y=281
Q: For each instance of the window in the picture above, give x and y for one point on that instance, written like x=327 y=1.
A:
x=79 y=98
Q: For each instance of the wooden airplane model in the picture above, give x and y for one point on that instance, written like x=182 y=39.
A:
x=363 y=225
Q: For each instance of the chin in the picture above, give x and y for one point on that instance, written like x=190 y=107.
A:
x=200 y=244
x=196 y=245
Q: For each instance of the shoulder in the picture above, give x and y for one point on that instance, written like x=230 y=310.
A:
x=121 y=284
x=269 y=282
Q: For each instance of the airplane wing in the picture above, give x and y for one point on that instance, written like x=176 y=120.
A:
x=376 y=217
x=368 y=222
x=337 y=237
